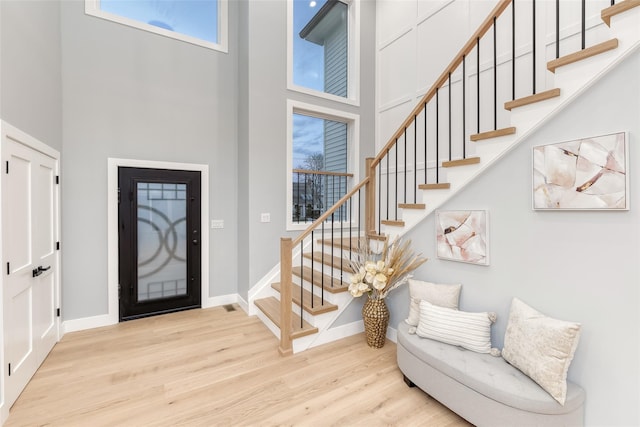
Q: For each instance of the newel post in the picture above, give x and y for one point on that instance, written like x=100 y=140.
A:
x=286 y=261
x=370 y=198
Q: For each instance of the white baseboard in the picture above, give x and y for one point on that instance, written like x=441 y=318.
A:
x=83 y=323
x=220 y=300
x=243 y=305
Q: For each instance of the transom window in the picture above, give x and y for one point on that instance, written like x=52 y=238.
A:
x=201 y=22
x=322 y=48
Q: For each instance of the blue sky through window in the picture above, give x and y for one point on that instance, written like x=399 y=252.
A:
x=308 y=71
x=195 y=18
x=308 y=58
x=308 y=138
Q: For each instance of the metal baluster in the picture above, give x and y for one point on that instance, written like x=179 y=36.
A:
x=534 y=46
x=415 y=158
x=312 y=266
x=425 y=142
x=513 y=50
x=322 y=288
x=396 y=192
x=302 y=281
x=437 y=136
x=380 y=189
x=449 y=94
x=405 y=171
x=332 y=242
x=388 y=189
x=495 y=77
x=557 y=29
x=478 y=85
x=464 y=107
x=583 y=27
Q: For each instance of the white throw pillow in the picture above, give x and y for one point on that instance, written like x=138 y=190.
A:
x=541 y=347
x=468 y=330
x=438 y=294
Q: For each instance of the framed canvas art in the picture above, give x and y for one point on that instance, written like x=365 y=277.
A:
x=584 y=174
x=463 y=236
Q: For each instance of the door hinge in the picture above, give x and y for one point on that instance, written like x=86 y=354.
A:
x=7 y=166
x=57 y=246
x=118 y=194
x=9 y=369
x=8 y=269
x=57 y=179
x=119 y=290
x=57 y=312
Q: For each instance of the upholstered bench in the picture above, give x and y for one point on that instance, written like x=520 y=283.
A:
x=483 y=389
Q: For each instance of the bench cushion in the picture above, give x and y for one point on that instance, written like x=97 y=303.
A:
x=490 y=376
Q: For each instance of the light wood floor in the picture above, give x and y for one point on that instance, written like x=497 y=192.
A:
x=217 y=368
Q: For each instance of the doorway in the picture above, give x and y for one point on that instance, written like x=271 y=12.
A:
x=159 y=241
x=30 y=255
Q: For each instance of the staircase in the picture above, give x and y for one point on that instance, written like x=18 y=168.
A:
x=307 y=291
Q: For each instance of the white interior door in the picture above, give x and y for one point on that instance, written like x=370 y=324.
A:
x=30 y=259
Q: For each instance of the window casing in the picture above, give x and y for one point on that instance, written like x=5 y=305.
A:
x=186 y=20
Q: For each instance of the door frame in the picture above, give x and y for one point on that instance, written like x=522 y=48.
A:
x=10 y=132
x=112 y=225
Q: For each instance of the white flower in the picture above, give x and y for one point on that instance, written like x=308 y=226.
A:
x=380 y=266
x=354 y=289
x=380 y=281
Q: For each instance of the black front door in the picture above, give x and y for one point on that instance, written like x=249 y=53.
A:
x=159 y=241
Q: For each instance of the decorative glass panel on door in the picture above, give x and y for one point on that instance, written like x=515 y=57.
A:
x=162 y=240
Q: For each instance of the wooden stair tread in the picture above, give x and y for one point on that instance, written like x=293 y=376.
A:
x=531 y=99
x=393 y=222
x=318 y=306
x=461 y=162
x=616 y=9
x=344 y=243
x=493 y=134
x=379 y=237
x=412 y=206
x=332 y=261
x=331 y=284
x=582 y=54
x=438 y=186
x=270 y=306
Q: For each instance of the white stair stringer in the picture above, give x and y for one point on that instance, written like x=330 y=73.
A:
x=572 y=80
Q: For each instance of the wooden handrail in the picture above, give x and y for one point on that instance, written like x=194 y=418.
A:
x=312 y=172
x=287 y=245
x=468 y=47
x=328 y=213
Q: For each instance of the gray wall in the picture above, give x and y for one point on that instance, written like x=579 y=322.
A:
x=30 y=67
x=132 y=94
x=578 y=266
x=263 y=115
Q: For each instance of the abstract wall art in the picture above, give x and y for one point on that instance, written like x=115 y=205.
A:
x=585 y=174
x=462 y=236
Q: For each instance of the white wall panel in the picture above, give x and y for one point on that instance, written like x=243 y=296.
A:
x=393 y=18
x=396 y=70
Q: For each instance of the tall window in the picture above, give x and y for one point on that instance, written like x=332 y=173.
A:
x=322 y=160
x=201 y=22
x=321 y=45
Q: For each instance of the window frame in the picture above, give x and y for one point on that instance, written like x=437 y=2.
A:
x=353 y=152
x=353 y=57
x=92 y=7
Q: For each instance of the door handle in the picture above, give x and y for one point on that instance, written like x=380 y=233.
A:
x=38 y=271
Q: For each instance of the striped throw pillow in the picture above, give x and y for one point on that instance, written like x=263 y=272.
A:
x=468 y=330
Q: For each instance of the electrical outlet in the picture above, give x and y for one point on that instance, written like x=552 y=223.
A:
x=265 y=217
